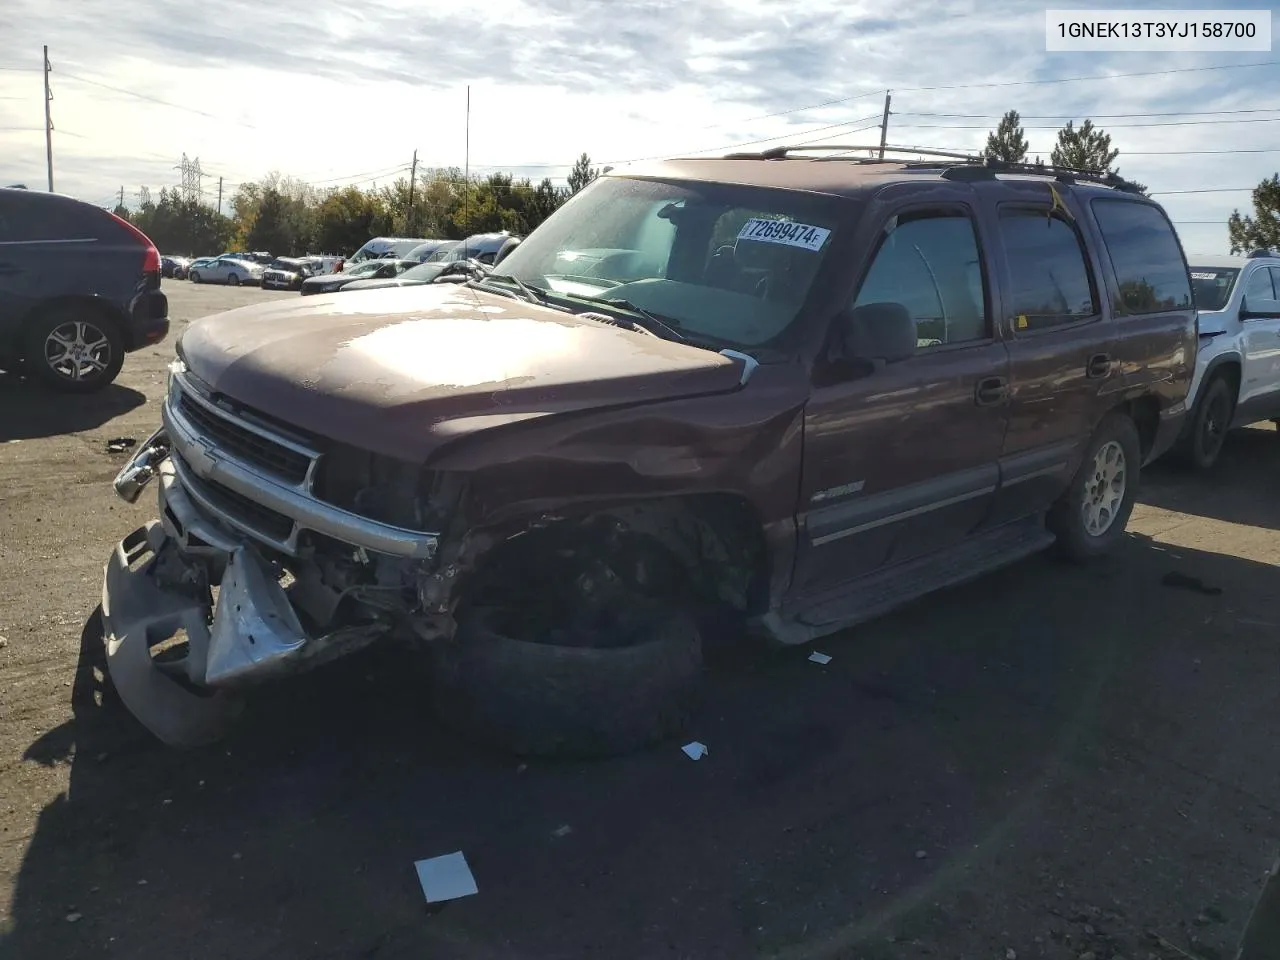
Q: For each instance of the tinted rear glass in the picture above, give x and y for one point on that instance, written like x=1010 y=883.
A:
x=1145 y=254
x=1211 y=286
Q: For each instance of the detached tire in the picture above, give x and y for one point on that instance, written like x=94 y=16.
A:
x=539 y=699
x=1090 y=517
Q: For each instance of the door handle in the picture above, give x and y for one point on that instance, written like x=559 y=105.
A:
x=991 y=391
x=1099 y=366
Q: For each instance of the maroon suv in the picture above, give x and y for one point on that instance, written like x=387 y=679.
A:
x=781 y=391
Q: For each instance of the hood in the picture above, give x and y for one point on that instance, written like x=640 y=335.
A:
x=400 y=371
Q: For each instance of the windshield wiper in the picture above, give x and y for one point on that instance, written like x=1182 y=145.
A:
x=531 y=294
x=663 y=327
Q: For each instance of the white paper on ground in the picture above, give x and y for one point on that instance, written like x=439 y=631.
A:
x=820 y=658
x=445 y=878
x=695 y=750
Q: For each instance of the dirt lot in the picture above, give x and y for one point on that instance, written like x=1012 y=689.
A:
x=1052 y=762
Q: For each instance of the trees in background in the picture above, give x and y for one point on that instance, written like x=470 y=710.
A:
x=1263 y=228
x=286 y=216
x=1007 y=142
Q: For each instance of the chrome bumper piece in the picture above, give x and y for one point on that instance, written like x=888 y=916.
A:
x=253 y=635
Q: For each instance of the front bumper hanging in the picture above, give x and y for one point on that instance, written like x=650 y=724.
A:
x=253 y=635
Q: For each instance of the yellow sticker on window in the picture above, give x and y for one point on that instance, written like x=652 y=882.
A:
x=1021 y=322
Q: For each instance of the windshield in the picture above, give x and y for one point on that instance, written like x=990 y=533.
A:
x=1211 y=286
x=727 y=263
x=423 y=271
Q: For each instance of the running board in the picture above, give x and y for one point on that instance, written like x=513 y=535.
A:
x=877 y=594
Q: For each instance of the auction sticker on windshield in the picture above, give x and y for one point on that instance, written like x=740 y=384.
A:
x=785 y=232
x=1203 y=276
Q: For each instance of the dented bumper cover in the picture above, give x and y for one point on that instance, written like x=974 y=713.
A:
x=154 y=587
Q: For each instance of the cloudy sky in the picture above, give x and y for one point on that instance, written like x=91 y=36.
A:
x=344 y=92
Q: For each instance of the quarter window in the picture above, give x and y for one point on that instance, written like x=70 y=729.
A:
x=1145 y=255
x=1258 y=286
x=1048 y=274
x=930 y=263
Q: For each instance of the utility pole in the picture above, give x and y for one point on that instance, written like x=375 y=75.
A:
x=121 y=203
x=466 y=176
x=219 y=196
x=413 y=178
x=884 y=124
x=48 y=119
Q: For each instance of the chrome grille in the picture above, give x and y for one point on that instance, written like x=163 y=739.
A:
x=244 y=442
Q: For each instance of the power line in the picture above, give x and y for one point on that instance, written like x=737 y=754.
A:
x=1112 y=76
x=150 y=99
x=1092 y=116
x=1019 y=83
x=1110 y=126
x=750 y=143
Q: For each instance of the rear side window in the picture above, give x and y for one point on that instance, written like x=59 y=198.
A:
x=1048 y=274
x=1145 y=255
x=42 y=218
x=1258 y=286
x=929 y=263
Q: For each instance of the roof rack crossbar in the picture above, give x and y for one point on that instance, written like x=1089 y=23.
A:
x=956 y=166
x=986 y=168
x=780 y=152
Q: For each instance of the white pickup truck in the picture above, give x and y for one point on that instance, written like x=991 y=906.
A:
x=1237 y=378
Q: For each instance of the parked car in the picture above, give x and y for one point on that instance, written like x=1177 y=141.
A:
x=260 y=256
x=228 y=270
x=1237 y=380
x=79 y=288
x=381 y=247
x=424 y=250
x=174 y=268
x=197 y=264
x=287 y=273
x=369 y=269
x=485 y=247
x=432 y=269
x=822 y=390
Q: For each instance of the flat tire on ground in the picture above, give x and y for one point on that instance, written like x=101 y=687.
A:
x=540 y=699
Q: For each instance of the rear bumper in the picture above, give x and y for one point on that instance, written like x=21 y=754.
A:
x=148 y=320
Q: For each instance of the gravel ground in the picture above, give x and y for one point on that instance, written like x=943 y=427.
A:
x=1052 y=762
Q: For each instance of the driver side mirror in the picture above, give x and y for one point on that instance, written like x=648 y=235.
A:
x=1259 y=309
x=878 y=333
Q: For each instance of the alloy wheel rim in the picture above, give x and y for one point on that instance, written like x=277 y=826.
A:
x=77 y=350
x=1105 y=488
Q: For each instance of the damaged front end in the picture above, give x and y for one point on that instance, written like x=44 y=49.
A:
x=269 y=556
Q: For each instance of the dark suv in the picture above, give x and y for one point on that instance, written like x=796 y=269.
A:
x=79 y=288
x=777 y=390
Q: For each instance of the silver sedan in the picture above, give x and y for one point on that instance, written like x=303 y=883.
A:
x=227 y=270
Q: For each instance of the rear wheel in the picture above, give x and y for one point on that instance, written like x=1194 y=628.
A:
x=74 y=350
x=1090 y=517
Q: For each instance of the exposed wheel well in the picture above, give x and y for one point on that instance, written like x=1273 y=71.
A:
x=1228 y=370
x=702 y=549
x=1145 y=414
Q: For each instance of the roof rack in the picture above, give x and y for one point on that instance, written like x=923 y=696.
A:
x=781 y=152
x=957 y=166
x=985 y=168
x=1260 y=253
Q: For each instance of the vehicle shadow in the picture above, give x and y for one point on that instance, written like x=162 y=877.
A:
x=1240 y=488
x=28 y=411
x=957 y=768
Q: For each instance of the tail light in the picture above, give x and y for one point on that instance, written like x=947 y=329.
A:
x=151 y=256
